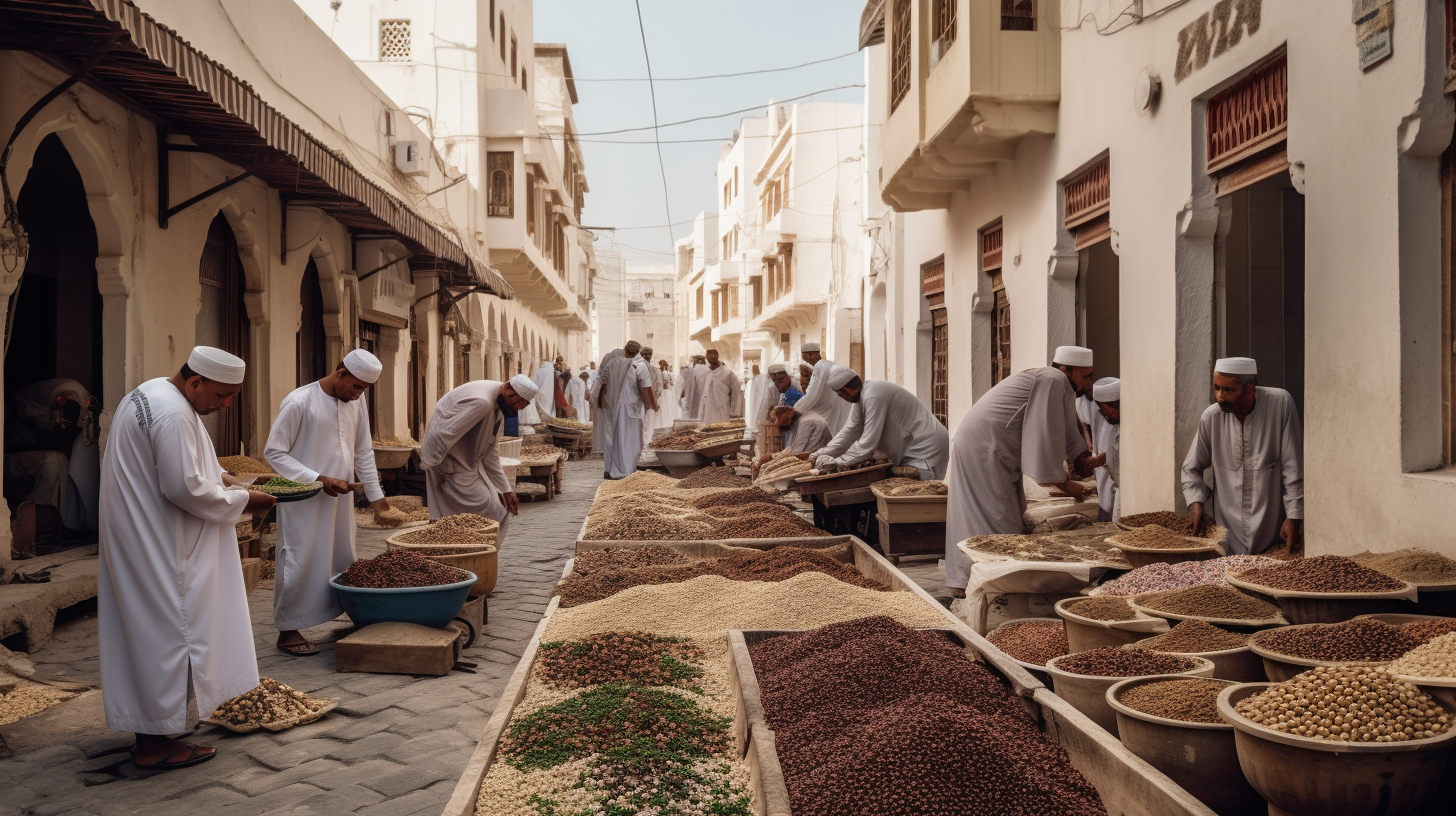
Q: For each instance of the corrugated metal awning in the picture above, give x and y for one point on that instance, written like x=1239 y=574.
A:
x=154 y=69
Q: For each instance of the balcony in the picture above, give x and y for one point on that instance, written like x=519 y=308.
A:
x=967 y=94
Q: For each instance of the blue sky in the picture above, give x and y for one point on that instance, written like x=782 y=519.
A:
x=686 y=38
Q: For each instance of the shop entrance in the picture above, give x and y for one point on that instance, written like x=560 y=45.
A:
x=222 y=322
x=1098 y=318
x=311 y=343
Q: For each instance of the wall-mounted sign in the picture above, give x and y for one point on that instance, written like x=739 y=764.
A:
x=1214 y=33
x=1374 y=22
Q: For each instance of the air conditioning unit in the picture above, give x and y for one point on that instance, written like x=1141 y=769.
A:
x=409 y=158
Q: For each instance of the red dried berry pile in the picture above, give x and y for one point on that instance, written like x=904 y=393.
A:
x=399 y=568
x=872 y=717
x=1426 y=631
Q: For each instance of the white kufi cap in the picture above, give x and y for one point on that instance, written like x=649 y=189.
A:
x=363 y=365
x=1075 y=356
x=524 y=386
x=809 y=347
x=217 y=365
x=1107 y=389
x=839 y=377
x=1242 y=366
x=778 y=368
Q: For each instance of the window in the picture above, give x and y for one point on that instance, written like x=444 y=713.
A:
x=991 y=246
x=1018 y=15
x=717 y=295
x=735 y=181
x=700 y=302
x=501 y=169
x=513 y=53
x=943 y=25
x=1087 y=204
x=523 y=83
x=940 y=365
x=531 y=205
x=757 y=285
x=394 y=40
x=732 y=301
x=1249 y=117
x=900 y=53
x=492 y=19
x=503 y=36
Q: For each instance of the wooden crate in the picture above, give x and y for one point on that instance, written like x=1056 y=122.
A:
x=398 y=648
x=918 y=538
x=252 y=568
x=848 y=480
x=910 y=509
x=770 y=438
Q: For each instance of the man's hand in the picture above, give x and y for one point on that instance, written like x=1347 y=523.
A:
x=1196 y=520
x=1290 y=530
x=1097 y=461
x=512 y=503
x=1074 y=489
x=571 y=412
x=1081 y=466
x=259 y=502
x=334 y=487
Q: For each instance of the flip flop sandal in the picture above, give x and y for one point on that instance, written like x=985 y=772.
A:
x=193 y=758
x=300 y=649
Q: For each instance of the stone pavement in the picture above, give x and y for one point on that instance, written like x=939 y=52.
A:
x=395 y=745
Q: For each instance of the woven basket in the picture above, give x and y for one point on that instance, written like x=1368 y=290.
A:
x=484 y=562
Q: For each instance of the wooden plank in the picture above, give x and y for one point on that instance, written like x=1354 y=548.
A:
x=925 y=538
x=810 y=485
x=397 y=648
x=840 y=498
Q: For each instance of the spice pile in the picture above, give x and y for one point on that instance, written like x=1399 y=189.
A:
x=911 y=487
x=399 y=568
x=1031 y=641
x=27 y=699
x=713 y=477
x=777 y=564
x=676 y=441
x=1115 y=661
x=279 y=486
x=1363 y=640
x=1414 y=565
x=870 y=716
x=272 y=704
x=620 y=657
x=1161 y=577
x=783 y=465
x=1427 y=630
x=1168 y=520
x=1103 y=609
x=1085 y=544
x=1193 y=637
x=1155 y=537
x=1324 y=573
x=1210 y=602
x=395 y=442
x=1349 y=704
x=1194 y=700
x=239 y=465
x=670 y=515
x=1434 y=659
x=590 y=562
x=465 y=532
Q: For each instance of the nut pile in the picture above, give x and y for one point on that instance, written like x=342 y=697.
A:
x=1434 y=659
x=873 y=717
x=1210 y=602
x=1194 y=700
x=1363 y=640
x=1324 y=573
x=612 y=558
x=1156 y=537
x=676 y=441
x=1427 y=630
x=1349 y=704
x=28 y=699
x=238 y=465
x=620 y=657
x=1031 y=641
x=1193 y=637
x=1414 y=565
x=271 y=703
x=783 y=465
x=399 y=568
x=1103 y=609
x=729 y=498
x=911 y=487
x=1168 y=520
x=1161 y=577
x=713 y=477
x=1115 y=661
x=1086 y=544
x=466 y=532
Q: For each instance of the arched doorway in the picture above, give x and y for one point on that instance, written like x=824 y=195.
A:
x=52 y=470
x=222 y=322
x=311 y=343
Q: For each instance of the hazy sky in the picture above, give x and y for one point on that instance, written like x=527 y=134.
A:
x=686 y=38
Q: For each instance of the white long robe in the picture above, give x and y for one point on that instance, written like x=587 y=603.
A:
x=170 y=592
x=668 y=409
x=1258 y=469
x=721 y=396
x=891 y=420
x=1027 y=425
x=317 y=435
x=463 y=472
x=650 y=418
x=576 y=398
x=601 y=408
x=810 y=433
x=693 y=391
x=823 y=400
x=1107 y=438
x=545 y=399
x=762 y=395
x=622 y=380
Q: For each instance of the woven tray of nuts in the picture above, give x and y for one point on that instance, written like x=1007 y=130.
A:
x=272 y=705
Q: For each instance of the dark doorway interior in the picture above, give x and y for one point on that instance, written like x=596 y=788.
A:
x=222 y=322
x=1098 y=298
x=311 y=342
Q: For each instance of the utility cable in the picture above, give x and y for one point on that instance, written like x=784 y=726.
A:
x=718 y=115
x=652 y=88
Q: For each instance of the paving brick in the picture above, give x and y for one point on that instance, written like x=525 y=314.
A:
x=408 y=804
x=410 y=751
x=258 y=780
x=356 y=774
x=342 y=800
x=371 y=746
x=372 y=724
x=271 y=800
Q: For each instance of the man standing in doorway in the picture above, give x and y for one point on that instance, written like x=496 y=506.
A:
x=463 y=472
x=722 y=394
x=818 y=396
x=1252 y=440
x=321 y=435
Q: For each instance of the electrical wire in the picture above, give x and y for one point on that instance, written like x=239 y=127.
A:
x=717 y=115
x=643 y=79
x=652 y=88
x=704 y=141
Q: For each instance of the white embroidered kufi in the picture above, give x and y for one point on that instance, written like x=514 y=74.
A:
x=778 y=368
x=217 y=365
x=1075 y=356
x=1242 y=366
x=1107 y=389
x=363 y=365
x=524 y=386
x=839 y=377
x=809 y=347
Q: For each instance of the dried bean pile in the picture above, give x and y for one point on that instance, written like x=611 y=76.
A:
x=1414 y=565
x=1324 y=573
x=1210 y=602
x=1155 y=537
x=911 y=487
x=777 y=564
x=28 y=699
x=1166 y=519
x=1349 y=704
x=1162 y=577
x=1031 y=641
x=713 y=477
x=619 y=657
x=1427 y=630
x=1115 y=661
x=1193 y=637
x=1434 y=659
x=592 y=561
x=460 y=530
x=1363 y=640
x=675 y=441
x=270 y=702
x=399 y=568
x=237 y=465
x=1194 y=700
x=1086 y=544
x=1103 y=609
x=729 y=498
x=872 y=717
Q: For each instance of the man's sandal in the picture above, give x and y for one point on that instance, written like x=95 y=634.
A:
x=300 y=648
x=195 y=756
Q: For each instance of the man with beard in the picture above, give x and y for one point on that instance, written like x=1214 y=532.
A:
x=1106 y=439
x=1027 y=424
x=1252 y=440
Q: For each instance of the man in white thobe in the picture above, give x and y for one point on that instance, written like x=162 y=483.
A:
x=545 y=399
x=1027 y=424
x=652 y=417
x=693 y=388
x=321 y=435
x=602 y=425
x=626 y=395
x=818 y=396
x=1107 y=442
x=667 y=407
x=170 y=599
x=722 y=394
x=888 y=419
x=576 y=396
x=463 y=472
x=761 y=396
x=1252 y=441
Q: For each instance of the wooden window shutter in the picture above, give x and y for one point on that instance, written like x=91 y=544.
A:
x=932 y=282
x=1087 y=200
x=991 y=249
x=1247 y=127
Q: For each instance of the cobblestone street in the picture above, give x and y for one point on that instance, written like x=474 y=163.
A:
x=395 y=745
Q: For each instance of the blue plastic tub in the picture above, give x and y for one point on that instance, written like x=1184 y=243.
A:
x=432 y=606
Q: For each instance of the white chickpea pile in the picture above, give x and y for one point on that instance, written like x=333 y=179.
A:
x=1347 y=704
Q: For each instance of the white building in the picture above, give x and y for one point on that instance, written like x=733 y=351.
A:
x=650 y=319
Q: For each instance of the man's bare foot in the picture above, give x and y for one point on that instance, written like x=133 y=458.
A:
x=154 y=752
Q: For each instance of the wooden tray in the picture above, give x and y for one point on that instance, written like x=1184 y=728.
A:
x=863 y=477
x=909 y=509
